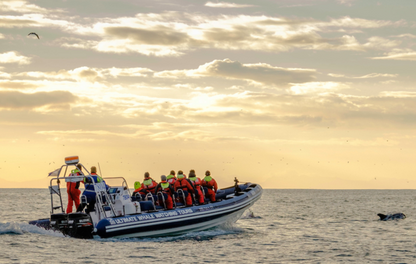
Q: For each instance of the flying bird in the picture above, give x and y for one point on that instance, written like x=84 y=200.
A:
x=33 y=33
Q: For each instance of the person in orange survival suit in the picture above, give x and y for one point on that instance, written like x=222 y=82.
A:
x=149 y=184
x=197 y=185
x=72 y=188
x=167 y=191
x=211 y=186
x=171 y=177
x=183 y=184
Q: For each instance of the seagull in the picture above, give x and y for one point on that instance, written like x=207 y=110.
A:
x=33 y=33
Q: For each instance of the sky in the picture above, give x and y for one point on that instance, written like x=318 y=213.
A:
x=301 y=94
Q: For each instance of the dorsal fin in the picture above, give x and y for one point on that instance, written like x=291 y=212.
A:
x=382 y=216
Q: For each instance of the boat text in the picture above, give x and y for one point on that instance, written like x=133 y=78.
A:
x=150 y=216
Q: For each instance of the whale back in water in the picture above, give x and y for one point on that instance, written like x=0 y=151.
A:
x=384 y=217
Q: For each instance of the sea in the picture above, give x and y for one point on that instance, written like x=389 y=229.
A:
x=284 y=226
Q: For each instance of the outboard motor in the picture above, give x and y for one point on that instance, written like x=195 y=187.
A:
x=80 y=225
x=59 y=222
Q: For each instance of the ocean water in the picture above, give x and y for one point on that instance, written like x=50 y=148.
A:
x=286 y=226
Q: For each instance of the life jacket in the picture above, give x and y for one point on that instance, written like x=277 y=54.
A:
x=182 y=183
x=149 y=185
x=138 y=190
x=209 y=182
x=96 y=178
x=197 y=181
x=70 y=186
x=171 y=179
x=165 y=187
x=99 y=185
x=137 y=185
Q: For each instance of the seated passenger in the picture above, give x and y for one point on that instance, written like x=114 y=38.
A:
x=138 y=190
x=197 y=186
x=183 y=184
x=211 y=186
x=167 y=191
x=90 y=189
x=171 y=177
x=148 y=184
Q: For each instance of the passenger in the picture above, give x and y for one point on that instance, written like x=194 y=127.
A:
x=90 y=190
x=171 y=177
x=183 y=184
x=148 y=184
x=72 y=188
x=139 y=190
x=167 y=191
x=197 y=186
x=211 y=186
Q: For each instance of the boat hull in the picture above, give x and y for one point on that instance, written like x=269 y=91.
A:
x=182 y=220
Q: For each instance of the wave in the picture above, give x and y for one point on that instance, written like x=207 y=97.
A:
x=196 y=235
x=15 y=228
x=250 y=215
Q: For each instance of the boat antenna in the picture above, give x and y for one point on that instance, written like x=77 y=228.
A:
x=100 y=169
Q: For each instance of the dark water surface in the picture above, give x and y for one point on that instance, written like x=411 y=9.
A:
x=289 y=226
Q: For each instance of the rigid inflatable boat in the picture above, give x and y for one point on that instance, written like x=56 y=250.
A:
x=117 y=214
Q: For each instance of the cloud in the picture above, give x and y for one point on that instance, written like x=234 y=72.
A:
x=408 y=55
x=14 y=57
x=174 y=33
x=226 y=5
x=376 y=75
x=261 y=72
x=317 y=87
x=367 y=76
x=159 y=35
x=346 y=2
x=16 y=85
x=22 y=7
x=19 y=100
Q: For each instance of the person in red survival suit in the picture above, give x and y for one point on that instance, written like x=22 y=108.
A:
x=149 y=184
x=211 y=186
x=171 y=177
x=167 y=191
x=138 y=190
x=72 y=188
x=183 y=184
x=197 y=185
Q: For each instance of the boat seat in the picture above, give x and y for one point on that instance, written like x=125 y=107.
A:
x=147 y=206
x=221 y=194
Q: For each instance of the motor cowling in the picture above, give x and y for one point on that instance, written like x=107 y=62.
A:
x=59 y=222
x=80 y=225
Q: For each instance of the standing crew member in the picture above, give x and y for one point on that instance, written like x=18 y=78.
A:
x=72 y=189
x=90 y=190
x=171 y=177
x=149 y=184
x=167 y=191
x=197 y=185
x=183 y=184
x=211 y=186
